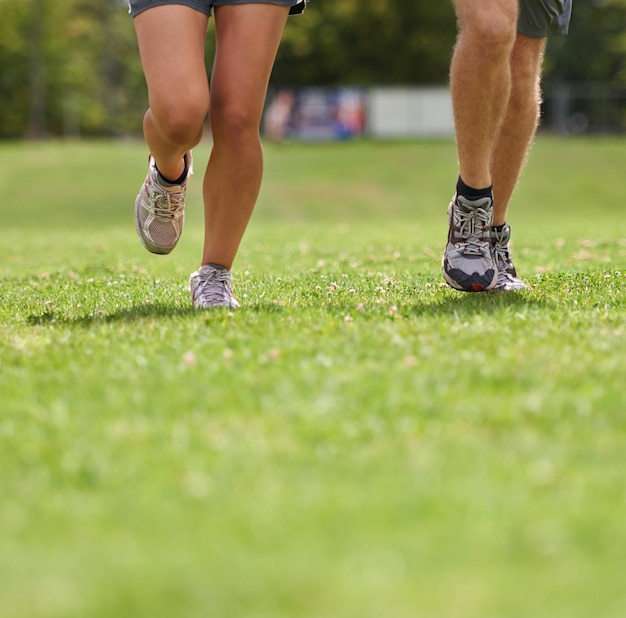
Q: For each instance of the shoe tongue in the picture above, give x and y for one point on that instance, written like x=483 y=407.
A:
x=472 y=204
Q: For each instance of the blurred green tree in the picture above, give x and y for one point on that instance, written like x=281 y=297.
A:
x=368 y=42
x=595 y=48
x=71 y=67
x=14 y=68
x=68 y=67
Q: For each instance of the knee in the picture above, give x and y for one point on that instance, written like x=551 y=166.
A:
x=233 y=122
x=526 y=69
x=180 y=122
x=492 y=29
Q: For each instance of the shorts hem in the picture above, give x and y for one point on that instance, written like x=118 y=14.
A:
x=536 y=33
x=133 y=12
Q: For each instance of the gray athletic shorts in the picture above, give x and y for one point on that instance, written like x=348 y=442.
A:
x=204 y=6
x=540 y=18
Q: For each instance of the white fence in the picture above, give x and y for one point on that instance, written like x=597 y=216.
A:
x=410 y=112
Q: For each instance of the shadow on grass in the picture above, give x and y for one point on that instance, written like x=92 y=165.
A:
x=483 y=303
x=132 y=314
x=457 y=306
x=161 y=311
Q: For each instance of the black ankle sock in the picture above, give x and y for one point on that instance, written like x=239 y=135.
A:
x=470 y=193
x=498 y=228
x=217 y=266
x=179 y=180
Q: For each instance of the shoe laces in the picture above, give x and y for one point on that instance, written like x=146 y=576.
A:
x=500 y=248
x=470 y=228
x=505 y=279
x=166 y=203
x=214 y=287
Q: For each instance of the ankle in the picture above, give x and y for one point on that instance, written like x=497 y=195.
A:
x=167 y=181
x=471 y=193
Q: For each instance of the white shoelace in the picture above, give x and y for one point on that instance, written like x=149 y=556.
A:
x=214 y=288
x=167 y=204
x=501 y=254
x=472 y=229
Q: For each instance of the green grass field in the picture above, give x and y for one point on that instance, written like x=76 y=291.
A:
x=358 y=441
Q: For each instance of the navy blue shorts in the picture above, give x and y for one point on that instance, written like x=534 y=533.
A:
x=205 y=6
x=541 y=18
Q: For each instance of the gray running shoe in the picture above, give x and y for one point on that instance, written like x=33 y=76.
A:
x=468 y=263
x=507 y=275
x=212 y=287
x=160 y=211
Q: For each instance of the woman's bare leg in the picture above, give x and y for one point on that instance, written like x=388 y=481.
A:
x=247 y=38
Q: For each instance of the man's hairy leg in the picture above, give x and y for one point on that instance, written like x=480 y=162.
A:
x=480 y=82
x=520 y=122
